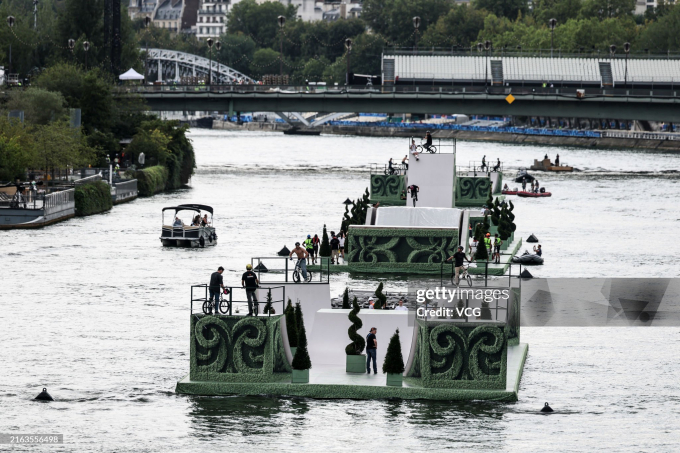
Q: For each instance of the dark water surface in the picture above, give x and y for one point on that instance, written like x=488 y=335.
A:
x=97 y=311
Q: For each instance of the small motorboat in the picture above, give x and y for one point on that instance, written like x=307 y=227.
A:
x=297 y=131
x=533 y=194
x=188 y=227
x=527 y=258
x=523 y=175
x=546 y=165
x=509 y=192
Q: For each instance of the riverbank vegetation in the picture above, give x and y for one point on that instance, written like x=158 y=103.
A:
x=93 y=198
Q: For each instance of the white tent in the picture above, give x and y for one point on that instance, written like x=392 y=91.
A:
x=131 y=75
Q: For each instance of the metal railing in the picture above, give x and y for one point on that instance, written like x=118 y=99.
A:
x=485 y=265
x=57 y=199
x=283 y=270
x=227 y=300
x=466 y=87
x=383 y=169
x=439 y=146
x=87 y=180
x=488 y=167
x=641 y=135
x=557 y=53
x=128 y=185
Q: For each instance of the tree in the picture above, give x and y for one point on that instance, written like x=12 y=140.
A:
x=154 y=145
x=301 y=360
x=314 y=69
x=58 y=146
x=460 y=26
x=237 y=51
x=382 y=299
x=268 y=306
x=502 y=8
x=394 y=361
x=562 y=10
x=39 y=105
x=662 y=35
x=480 y=233
x=606 y=9
x=96 y=102
x=265 y=61
x=259 y=20
x=345 y=299
x=291 y=327
x=394 y=18
x=358 y=343
x=325 y=248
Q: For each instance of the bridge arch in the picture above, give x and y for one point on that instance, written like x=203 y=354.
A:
x=172 y=65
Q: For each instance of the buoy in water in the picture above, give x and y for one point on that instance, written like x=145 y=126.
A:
x=44 y=396
x=547 y=408
x=525 y=274
x=532 y=238
x=261 y=268
x=284 y=251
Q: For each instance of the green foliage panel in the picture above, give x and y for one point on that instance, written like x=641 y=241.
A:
x=237 y=349
x=472 y=191
x=92 y=198
x=412 y=250
x=151 y=180
x=457 y=355
x=387 y=189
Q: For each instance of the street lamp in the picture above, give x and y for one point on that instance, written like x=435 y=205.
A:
x=209 y=41
x=552 y=23
x=282 y=21
x=71 y=45
x=218 y=47
x=147 y=22
x=612 y=50
x=416 y=25
x=86 y=47
x=626 y=48
x=10 y=22
x=487 y=46
x=348 y=46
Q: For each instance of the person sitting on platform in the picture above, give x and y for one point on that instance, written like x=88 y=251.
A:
x=204 y=221
x=498 y=165
x=196 y=221
x=505 y=187
x=178 y=222
x=538 y=251
x=413 y=149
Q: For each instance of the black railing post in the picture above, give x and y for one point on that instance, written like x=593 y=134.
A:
x=231 y=299
x=286 y=261
x=271 y=304
x=486 y=274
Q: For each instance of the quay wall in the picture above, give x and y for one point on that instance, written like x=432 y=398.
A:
x=549 y=140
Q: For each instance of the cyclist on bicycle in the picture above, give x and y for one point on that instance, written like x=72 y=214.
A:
x=390 y=167
x=413 y=189
x=250 y=282
x=428 y=140
x=483 y=166
x=458 y=258
x=301 y=255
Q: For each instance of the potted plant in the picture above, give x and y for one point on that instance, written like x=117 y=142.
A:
x=325 y=248
x=393 y=365
x=291 y=327
x=345 y=299
x=356 y=361
x=301 y=362
x=382 y=299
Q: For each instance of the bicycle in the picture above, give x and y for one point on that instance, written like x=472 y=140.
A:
x=391 y=171
x=224 y=305
x=297 y=273
x=426 y=149
x=464 y=275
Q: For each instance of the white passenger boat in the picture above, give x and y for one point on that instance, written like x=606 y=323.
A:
x=191 y=225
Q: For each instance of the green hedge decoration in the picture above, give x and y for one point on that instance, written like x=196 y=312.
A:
x=151 y=180
x=358 y=343
x=345 y=299
x=382 y=299
x=471 y=356
x=301 y=360
x=93 y=198
x=237 y=349
x=394 y=360
x=325 y=248
x=291 y=326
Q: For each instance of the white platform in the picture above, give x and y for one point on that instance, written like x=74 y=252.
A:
x=329 y=337
x=433 y=174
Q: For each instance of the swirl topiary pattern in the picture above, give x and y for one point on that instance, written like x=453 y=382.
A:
x=395 y=249
x=358 y=343
x=237 y=349
x=472 y=191
x=460 y=356
x=386 y=189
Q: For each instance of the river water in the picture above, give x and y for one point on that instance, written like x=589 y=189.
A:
x=96 y=310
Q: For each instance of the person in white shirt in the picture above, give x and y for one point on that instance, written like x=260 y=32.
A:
x=401 y=306
x=342 y=245
x=370 y=304
x=413 y=148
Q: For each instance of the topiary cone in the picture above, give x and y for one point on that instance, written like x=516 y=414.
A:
x=358 y=342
